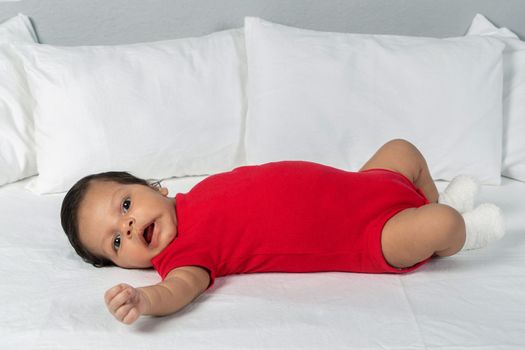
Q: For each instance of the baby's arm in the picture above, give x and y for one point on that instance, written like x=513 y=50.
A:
x=181 y=286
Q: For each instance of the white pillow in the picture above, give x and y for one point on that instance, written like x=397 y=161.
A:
x=513 y=95
x=17 y=150
x=334 y=98
x=160 y=109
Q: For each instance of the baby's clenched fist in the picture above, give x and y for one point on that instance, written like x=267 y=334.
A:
x=125 y=302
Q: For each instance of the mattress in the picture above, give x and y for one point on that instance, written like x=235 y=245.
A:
x=50 y=299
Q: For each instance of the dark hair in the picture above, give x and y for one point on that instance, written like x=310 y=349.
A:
x=71 y=204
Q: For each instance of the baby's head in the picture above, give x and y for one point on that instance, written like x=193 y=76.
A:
x=115 y=218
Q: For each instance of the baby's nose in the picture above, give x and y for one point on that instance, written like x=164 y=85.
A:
x=128 y=226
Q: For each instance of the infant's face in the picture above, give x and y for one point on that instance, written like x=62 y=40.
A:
x=128 y=224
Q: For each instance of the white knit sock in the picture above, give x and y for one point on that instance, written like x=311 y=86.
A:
x=484 y=224
x=461 y=193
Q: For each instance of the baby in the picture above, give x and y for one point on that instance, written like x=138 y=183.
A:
x=289 y=216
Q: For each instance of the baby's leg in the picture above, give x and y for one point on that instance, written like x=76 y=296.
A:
x=403 y=157
x=416 y=234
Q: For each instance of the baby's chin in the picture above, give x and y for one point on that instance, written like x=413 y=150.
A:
x=164 y=243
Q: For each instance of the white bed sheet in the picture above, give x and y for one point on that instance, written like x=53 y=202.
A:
x=50 y=299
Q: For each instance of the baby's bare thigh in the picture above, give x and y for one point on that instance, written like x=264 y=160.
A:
x=397 y=241
x=415 y=234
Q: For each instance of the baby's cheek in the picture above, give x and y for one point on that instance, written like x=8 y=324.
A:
x=133 y=257
x=144 y=260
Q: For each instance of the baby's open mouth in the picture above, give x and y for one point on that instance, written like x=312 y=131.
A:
x=148 y=233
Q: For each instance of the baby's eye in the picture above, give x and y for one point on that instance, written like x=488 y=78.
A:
x=116 y=242
x=126 y=204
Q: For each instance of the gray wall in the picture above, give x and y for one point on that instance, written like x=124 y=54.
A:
x=88 y=22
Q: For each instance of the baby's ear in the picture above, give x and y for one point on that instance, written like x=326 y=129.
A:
x=163 y=191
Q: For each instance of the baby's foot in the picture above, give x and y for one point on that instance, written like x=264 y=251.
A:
x=461 y=193
x=483 y=225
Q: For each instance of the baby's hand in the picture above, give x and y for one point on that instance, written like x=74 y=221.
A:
x=125 y=302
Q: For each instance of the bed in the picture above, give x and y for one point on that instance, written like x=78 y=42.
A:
x=53 y=300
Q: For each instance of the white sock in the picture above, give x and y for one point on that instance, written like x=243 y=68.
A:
x=461 y=193
x=484 y=224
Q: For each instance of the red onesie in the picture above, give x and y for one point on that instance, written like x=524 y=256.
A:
x=290 y=216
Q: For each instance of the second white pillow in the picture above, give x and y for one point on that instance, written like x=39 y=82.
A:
x=162 y=109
